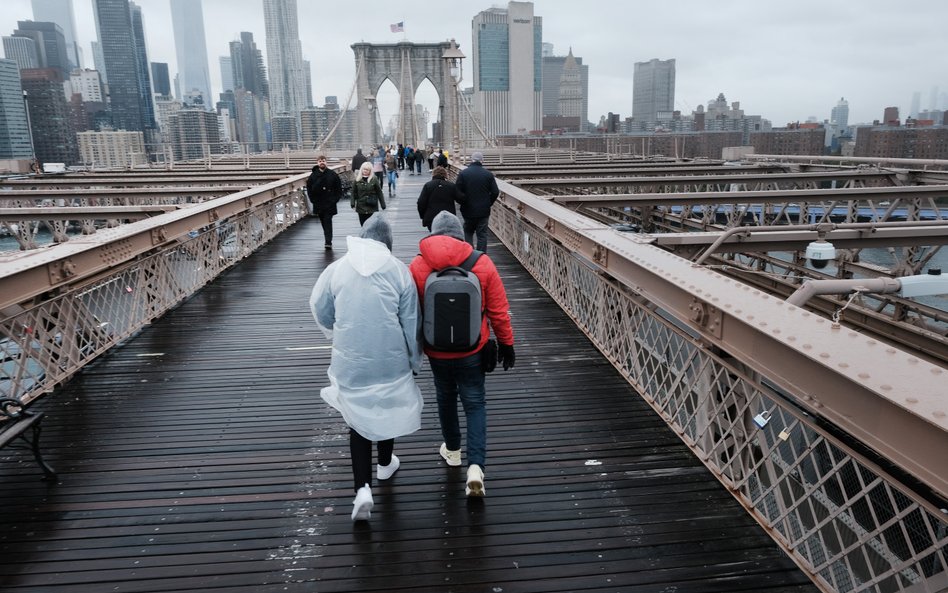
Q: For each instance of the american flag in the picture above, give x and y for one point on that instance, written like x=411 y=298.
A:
x=398 y=27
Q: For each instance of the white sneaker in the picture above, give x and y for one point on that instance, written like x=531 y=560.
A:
x=453 y=458
x=362 y=504
x=384 y=472
x=475 y=481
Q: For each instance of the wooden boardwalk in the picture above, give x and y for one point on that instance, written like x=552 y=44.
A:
x=199 y=457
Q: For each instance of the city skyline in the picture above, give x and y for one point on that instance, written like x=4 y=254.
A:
x=785 y=63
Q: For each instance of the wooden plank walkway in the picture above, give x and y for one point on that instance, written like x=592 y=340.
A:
x=199 y=457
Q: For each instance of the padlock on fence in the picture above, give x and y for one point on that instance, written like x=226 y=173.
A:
x=762 y=419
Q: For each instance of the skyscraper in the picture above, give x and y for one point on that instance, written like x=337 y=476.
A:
x=15 y=140
x=839 y=116
x=507 y=68
x=227 y=73
x=653 y=89
x=120 y=49
x=284 y=57
x=61 y=13
x=50 y=44
x=552 y=81
x=187 y=20
x=247 y=61
x=141 y=70
x=21 y=50
x=54 y=137
x=160 y=79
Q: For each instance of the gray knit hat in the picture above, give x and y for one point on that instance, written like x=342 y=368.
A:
x=477 y=156
x=377 y=229
x=448 y=224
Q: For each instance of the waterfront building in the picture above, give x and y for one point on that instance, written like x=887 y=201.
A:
x=54 y=134
x=507 y=68
x=308 y=86
x=165 y=107
x=901 y=142
x=187 y=20
x=284 y=57
x=800 y=139
x=114 y=149
x=21 y=50
x=15 y=142
x=653 y=90
x=98 y=60
x=61 y=12
x=122 y=49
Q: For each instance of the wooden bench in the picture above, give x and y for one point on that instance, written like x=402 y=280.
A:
x=16 y=422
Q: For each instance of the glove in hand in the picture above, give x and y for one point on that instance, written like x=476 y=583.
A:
x=506 y=356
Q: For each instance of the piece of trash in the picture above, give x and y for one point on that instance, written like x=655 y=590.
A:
x=593 y=462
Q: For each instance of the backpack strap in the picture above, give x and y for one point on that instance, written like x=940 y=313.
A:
x=468 y=264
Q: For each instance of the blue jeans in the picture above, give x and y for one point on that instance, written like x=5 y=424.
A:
x=392 y=176
x=462 y=377
x=476 y=226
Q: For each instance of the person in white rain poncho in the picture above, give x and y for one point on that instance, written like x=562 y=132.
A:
x=367 y=304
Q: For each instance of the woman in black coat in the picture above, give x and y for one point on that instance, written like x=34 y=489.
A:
x=324 y=189
x=437 y=195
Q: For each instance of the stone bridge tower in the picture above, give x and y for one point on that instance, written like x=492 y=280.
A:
x=407 y=65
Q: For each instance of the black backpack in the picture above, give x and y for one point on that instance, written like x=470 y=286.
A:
x=452 y=308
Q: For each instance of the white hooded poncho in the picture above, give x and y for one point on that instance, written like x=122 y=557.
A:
x=367 y=304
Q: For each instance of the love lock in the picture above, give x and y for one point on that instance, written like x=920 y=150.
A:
x=762 y=419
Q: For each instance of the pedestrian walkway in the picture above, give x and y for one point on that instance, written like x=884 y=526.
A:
x=199 y=457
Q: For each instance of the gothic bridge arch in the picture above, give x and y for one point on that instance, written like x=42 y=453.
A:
x=407 y=65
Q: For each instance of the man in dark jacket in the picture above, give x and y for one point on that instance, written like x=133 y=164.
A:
x=438 y=195
x=358 y=159
x=324 y=189
x=460 y=375
x=480 y=192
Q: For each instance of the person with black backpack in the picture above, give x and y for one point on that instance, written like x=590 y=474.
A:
x=463 y=299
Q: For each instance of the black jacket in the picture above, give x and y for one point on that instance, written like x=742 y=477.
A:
x=480 y=190
x=357 y=160
x=324 y=189
x=437 y=195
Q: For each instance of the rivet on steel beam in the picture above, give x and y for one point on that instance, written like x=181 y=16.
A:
x=213 y=214
x=158 y=235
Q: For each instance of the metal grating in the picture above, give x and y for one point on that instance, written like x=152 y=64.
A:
x=848 y=525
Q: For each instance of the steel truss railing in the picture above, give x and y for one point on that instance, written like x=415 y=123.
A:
x=95 y=297
x=851 y=525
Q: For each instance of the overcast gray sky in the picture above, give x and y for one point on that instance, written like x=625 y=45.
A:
x=784 y=60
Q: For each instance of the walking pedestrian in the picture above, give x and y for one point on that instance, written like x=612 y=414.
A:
x=391 y=172
x=461 y=374
x=367 y=304
x=367 y=195
x=431 y=158
x=357 y=159
x=324 y=189
x=420 y=158
x=480 y=192
x=438 y=195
